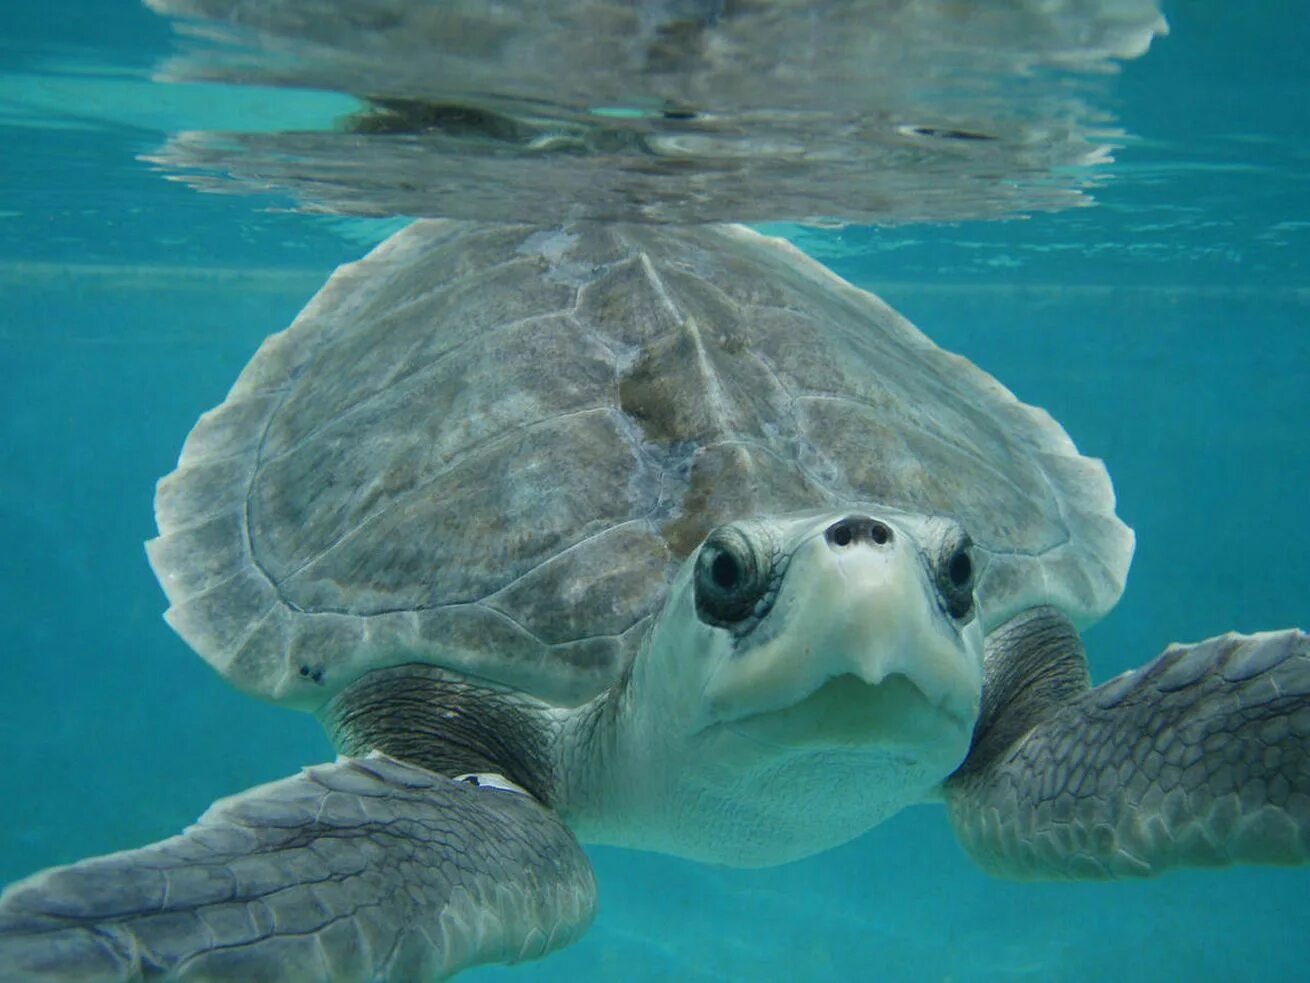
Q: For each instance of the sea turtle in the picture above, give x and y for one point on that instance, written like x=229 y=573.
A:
x=666 y=538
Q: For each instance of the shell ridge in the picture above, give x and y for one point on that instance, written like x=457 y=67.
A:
x=718 y=405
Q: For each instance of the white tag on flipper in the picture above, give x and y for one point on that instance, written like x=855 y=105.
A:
x=490 y=779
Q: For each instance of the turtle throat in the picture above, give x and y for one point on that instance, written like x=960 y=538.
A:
x=445 y=723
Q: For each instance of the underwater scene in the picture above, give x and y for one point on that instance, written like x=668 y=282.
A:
x=1108 y=215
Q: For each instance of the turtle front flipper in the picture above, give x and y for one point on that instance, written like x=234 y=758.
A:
x=1201 y=758
x=366 y=869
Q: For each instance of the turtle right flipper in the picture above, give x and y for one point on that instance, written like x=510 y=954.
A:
x=366 y=869
x=1201 y=758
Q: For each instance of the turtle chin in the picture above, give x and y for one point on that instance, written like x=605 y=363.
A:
x=848 y=712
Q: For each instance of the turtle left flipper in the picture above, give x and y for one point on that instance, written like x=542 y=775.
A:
x=1200 y=758
x=365 y=869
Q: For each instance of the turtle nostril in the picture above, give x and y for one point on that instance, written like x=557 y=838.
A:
x=857 y=529
x=840 y=534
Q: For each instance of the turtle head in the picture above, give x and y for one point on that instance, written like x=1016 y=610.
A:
x=809 y=676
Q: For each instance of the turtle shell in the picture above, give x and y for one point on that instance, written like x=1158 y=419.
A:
x=488 y=449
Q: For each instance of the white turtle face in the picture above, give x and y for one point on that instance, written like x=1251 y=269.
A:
x=813 y=674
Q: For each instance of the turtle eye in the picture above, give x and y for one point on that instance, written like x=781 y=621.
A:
x=961 y=569
x=955 y=577
x=726 y=571
x=733 y=571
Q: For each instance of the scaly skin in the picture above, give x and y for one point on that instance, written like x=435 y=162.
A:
x=366 y=869
x=1201 y=758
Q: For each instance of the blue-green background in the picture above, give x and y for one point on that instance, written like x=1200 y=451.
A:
x=1168 y=329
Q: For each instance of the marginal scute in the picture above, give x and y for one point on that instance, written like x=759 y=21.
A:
x=259 y=665
x=487 y=449
x=218 y=620
x=320 y=645
x=195 y=493
x=225 y=430
x=197 y=557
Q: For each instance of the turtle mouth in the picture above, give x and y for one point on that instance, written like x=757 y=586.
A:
x=848 y=711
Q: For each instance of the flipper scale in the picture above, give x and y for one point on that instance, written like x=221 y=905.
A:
x=360 y=870
x=1201 y=758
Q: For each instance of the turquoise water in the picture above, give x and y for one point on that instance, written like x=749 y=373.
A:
x=1168 y=329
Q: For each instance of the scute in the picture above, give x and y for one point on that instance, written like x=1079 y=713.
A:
x=488 y=449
